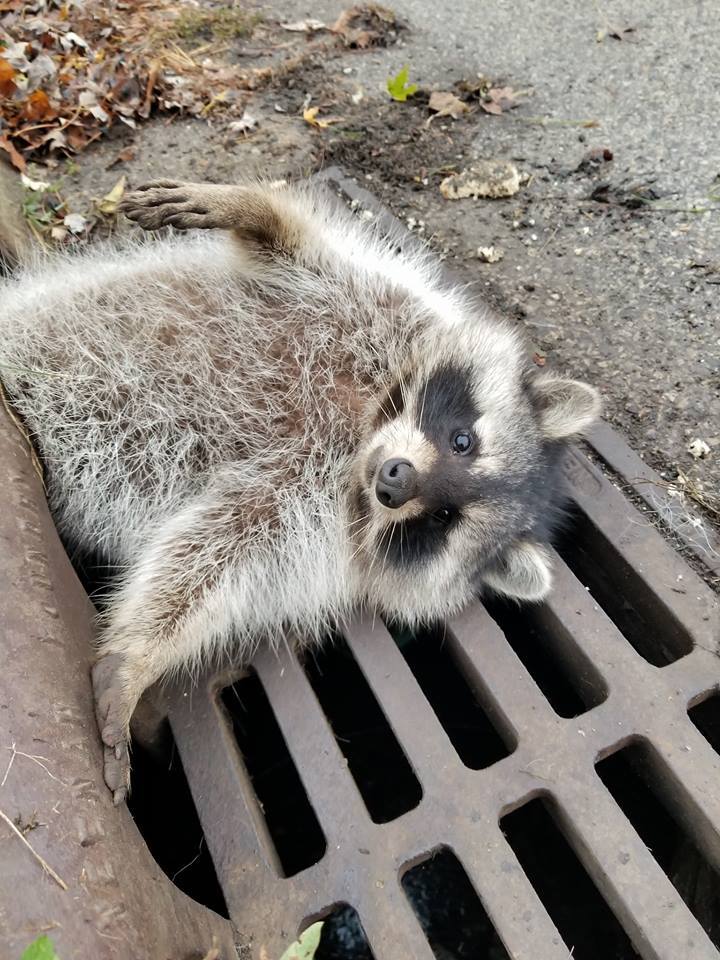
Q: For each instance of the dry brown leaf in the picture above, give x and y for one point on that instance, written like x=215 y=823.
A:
x=498 y=99
x=16 y=158
x=486 y=178
x=123 y=157
x=38 y=107
x=447 y=105
x=7 y=79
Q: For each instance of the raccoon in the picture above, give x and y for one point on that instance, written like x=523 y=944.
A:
x=271 y=424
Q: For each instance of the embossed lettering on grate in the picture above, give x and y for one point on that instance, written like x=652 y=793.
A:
x=531 y=783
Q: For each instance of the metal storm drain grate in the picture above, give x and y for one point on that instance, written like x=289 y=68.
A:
x=521 y=784
x=531 y=783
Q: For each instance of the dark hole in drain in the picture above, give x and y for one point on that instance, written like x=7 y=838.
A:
x=550 y=655
x=163 y=809
x=449 y=910
x=645 y=622
x=584 y=920
x=633 y=777
x=160 y=801
x=290 y=819
x=476 y=739
x=375 y=758
x=706 y=717
x=343 y=937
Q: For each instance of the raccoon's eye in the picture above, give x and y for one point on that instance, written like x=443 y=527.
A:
x=443 y=515
x=463 y=442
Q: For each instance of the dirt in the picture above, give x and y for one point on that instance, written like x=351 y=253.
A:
x=610 y=273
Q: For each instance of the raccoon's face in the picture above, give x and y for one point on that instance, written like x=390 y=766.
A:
x=458 y=484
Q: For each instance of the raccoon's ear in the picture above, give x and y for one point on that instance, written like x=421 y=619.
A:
x=522 y=572
x=565 y=407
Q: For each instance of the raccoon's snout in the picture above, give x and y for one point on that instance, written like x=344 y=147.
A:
x=396 y=483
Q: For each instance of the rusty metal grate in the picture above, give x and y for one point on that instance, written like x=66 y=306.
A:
x=565 y=726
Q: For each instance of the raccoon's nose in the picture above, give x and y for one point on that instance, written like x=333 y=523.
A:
x=396 y=483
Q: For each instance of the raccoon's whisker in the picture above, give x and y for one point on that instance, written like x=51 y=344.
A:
x=422 y=405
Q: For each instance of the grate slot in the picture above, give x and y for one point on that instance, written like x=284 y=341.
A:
x=291 y=821
x=162 y=806
x=375 y=759
x=343 y=937
x=640 y=615
x=551 y=656
x=634 y=776
x=478 y=739
x=578 y=910
x=449 y=910
x=706 y=717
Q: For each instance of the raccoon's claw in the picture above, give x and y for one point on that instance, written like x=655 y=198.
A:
x=165 y=203
x=113 y=721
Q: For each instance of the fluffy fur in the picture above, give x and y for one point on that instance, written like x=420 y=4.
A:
x=213 y=410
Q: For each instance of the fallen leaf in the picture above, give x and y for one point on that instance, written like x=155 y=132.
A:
x=447 y=105
x=498 y=99
x=38 y=107
x=17 y=160
x=486 y=178
x=399 y=88
x=366 y=26
x=109 y=203
x=75 y=222
x=305 y=946
x=310 y=115
x=7 y=79
x=539 y=359
x=40 y=949
x=304 y=26
x=123 y=157
x=490 y=254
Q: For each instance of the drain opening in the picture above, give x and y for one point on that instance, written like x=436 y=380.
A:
x=375 y=759
x=449 y=910
x=291 y=821
x=478 y=741
x=584 y=920
x=551 y=656
x=163 y=809
x=638 y=613
x=633 y=775
x=343 y=937
x=706 y=717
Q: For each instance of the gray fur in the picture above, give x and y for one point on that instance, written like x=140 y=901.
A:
x=212 y=410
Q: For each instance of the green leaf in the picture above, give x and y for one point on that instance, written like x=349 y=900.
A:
x=40 y=949
x=302 y=949
x=399 y=88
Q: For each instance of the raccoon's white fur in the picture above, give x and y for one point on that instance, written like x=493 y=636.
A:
x=212 y=412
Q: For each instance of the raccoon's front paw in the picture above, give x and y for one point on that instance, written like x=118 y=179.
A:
x=163 y=203
x=113 y=717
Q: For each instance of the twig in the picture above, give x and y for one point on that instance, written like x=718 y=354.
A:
x=43 y=863
x=36 y=758
x=7 y=771
x=558 y=121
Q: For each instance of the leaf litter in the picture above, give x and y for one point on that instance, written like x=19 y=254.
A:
x=70 y=72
